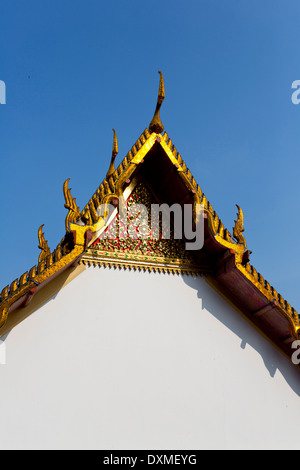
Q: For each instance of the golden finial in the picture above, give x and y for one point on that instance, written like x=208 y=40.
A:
x=156 y=125
x=43 y=245
x=238 y=229
x=115 y=152
x=74 y=212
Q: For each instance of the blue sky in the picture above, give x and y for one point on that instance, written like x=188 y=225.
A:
x=76 y=69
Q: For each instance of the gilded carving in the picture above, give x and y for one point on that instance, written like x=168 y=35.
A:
x=156 y=125
x=70 y=204
x=43 y=245
x=115 y=152
x=239 y=228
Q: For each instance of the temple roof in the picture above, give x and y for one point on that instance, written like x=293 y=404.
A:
x=224 y=258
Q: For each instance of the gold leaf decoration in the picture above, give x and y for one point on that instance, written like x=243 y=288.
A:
x=115 y=152
x=156 y=125
x=238 y=229
x=74 y=212
x=43 y=245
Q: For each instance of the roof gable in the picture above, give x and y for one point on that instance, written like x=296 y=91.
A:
x=154 y=158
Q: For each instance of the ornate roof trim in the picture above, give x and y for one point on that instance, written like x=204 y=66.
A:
x=139 y=263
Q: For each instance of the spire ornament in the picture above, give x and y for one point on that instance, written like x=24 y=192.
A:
x=43 y=245
x=115 y=152
x=238 y=229
x=156 y=125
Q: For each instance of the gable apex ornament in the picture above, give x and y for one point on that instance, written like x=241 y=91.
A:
x=115 y=152
x=156 y=125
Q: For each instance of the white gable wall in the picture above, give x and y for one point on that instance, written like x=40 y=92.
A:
x=129 y=360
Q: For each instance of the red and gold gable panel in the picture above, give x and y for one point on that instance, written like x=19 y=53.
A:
x=132 y=241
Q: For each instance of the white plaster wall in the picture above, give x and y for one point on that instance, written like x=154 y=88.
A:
x=127 y=360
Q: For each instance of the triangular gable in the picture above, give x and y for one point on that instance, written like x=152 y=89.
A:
x=225 y=256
